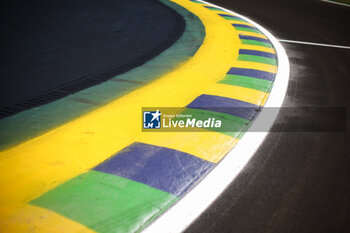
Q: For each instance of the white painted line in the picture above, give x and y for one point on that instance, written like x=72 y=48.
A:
x=184 y=212
x=337 y=3
x=316 y=44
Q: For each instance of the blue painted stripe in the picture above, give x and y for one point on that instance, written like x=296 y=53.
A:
x=253 y=38
x=226 y=15
x=244 y=26
x=225 y=105
x=252 y=73
x=257 y=53
x=230 y=16
x=166 y=169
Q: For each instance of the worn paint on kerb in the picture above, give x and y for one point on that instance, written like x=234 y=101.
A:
x=38 y=165
x=165 y=169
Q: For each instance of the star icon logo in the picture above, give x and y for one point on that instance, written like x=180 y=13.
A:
x=156 y=115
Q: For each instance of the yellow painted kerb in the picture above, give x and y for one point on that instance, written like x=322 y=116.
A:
x=38 y=165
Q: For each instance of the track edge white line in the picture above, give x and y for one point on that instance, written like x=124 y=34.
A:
x=314 y=44
x=336 y=3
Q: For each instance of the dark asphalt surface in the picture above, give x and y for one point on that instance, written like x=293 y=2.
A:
x=296 y=182
x=50 y=49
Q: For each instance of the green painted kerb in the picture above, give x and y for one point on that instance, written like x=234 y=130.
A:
x=258 y=59
x=234 y=19
x=258 y=43
x=33 y=122
x=216 y=9
x=247 y=30
x=248 y=82
x=106 y=203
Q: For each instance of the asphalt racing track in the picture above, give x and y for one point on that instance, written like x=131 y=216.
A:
x=72 y=155
x=297 y=181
